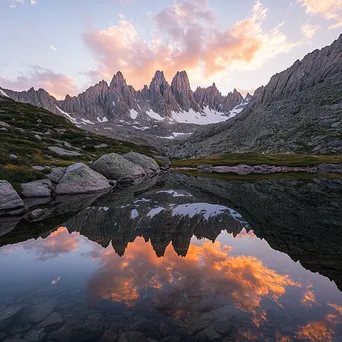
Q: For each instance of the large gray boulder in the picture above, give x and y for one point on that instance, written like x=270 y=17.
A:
x=56 y=174
x=115 y=167
x=80 y=179
x=147 y=163
x=38 y=188
x=10 y=201
x=63 y=152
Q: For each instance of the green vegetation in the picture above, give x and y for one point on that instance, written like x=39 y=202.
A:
x=260 y=177
x=261 y=159
x=32 y=130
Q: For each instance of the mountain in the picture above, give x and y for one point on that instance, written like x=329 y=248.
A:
x=118 y=110
x=298 y=111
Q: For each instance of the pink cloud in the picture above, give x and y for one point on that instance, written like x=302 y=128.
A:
x=328 y=9
x=56 y=84
x=187 y=38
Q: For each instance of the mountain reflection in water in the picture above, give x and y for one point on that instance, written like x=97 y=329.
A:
x=187 y=260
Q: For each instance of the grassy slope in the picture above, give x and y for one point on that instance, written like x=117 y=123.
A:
x=26 y=122
x=259 y=159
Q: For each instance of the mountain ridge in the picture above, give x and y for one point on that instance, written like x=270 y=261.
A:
x=298 y=111
x=118 y=100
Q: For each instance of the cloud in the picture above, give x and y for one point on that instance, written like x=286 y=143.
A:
x=57 y=243
x=182 y=286
x=33 y=2
x=328 y=9
x=22 y=2
x=309 y=30
x=54 y=83
x=52 y=48
x=186 y=37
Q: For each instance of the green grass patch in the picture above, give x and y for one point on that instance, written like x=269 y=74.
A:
x=261 y=159
x=32 y=130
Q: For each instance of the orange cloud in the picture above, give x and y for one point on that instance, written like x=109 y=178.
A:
x=187 y=39
x=55 y=84
x=207 y=269
x=57 y=243
x=309 y=297
x=328 y=9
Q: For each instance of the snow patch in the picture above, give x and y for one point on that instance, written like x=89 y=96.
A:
x=103 y=120
x=155 y=212
x=133 y=113
x=134 y=214
x=174 y=193
x=154 y=115
x=109 y=128
x=86 y=121
x=3 y=93
x=205 y=209
x=67 y=115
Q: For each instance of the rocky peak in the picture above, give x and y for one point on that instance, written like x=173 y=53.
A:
x=248 y=97
x=209 y=97
x=232 y=100
x=161 y=97
x=182 y=92
x=118 y=82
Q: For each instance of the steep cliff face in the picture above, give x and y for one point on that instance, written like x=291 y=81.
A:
x=298 y=111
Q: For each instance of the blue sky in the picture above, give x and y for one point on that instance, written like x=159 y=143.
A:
x=65 y=46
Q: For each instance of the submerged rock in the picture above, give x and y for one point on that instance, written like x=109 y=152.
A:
x=80 y=179
x=41 y=311
x=147 y=163
x=39 y=188
x=7 y=315
x=10 y=201
x=113 y=166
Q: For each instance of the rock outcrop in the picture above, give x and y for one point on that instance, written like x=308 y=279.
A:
x=10 y=201
x=298 y=111
x=147 y=163
x=115 y=167
x=80 y=179
x=39 y=188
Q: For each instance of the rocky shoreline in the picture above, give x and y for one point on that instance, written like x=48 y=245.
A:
x=243 y=169
x=99 y=176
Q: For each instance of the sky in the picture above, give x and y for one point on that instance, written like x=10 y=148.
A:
x=66 y=46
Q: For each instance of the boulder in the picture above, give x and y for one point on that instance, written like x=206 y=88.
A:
x=80 y=179
x=115 y=167
x=39 y=188
x=10 y=201
x=56 y=174
x=9 y=314
x=147 y=163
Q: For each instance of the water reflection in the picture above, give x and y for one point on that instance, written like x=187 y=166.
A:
x=178 y=263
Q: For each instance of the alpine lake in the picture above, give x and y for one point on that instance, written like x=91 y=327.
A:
x=178 y=258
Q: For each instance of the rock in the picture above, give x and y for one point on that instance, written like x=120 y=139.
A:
x=36 y=214
x=205 y=168
x=56 y=174
x=38 y=168
x=38 y=137
x=36 y=335
x=39 y=188
x=80 y=179
x=147 y=328
x=147 y=163
x=109 y=336
x=63 y=334
x=41 y=311
x=94 y=323
x=10 y=201
x=18 y=329
x=101 y=146
x=13 y=156
x=3 y=129
x=130 y=336
x=62 y=152
x=114 y=166
x=4 y=124
x=8 y=314
x=208 y=334
x=54 y=320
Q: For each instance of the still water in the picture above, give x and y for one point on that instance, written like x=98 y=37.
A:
x=179 y=259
